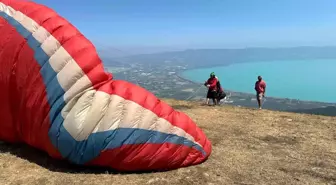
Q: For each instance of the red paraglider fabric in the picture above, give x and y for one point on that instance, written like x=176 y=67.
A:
x=56 y=96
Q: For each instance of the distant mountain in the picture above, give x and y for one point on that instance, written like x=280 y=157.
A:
x=110 y=62
x=206 y=57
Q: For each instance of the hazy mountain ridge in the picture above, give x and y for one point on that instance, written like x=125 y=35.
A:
x=207 y=57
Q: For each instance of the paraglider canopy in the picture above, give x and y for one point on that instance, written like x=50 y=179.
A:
x=57 y=97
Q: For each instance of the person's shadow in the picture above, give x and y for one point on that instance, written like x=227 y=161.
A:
x=44 y=160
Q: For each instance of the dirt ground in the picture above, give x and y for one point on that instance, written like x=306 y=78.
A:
x=249 y=147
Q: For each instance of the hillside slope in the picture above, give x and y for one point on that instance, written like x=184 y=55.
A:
x=249 y=147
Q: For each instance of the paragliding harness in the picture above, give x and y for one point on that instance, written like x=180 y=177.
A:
x=220 y=93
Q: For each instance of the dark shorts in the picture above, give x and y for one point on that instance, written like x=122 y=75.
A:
x=211 y=94
x=259 y=96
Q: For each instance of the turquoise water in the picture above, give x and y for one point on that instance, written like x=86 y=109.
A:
x=313 y=80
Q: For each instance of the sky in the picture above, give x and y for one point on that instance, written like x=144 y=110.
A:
x=135 y=26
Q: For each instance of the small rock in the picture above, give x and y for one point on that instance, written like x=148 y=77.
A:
x=289 y=120
x=150 y=181
x=153 y=180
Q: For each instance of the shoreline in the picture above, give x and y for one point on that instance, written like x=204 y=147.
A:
x=179 y=75
x=233 y=63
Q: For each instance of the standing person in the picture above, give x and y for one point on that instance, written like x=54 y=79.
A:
x=211 y=83
x=260 y=88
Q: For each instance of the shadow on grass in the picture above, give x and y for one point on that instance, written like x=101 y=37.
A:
x=44 y=160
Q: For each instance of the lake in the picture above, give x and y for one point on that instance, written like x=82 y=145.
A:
x=309 y=80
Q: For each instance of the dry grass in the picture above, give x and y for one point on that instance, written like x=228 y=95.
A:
x=249 y=147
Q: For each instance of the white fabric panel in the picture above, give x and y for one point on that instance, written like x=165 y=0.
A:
x=50 y=45
x=69 y=75
x=60 y=60
x=96 y=111
x=18 y=16
x=75 y=120
x=26 y=22
x=41 y=34
x=7 y=9
x=81 y=85
x=72 y=101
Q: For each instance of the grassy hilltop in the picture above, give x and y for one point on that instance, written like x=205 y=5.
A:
x=249 y=147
